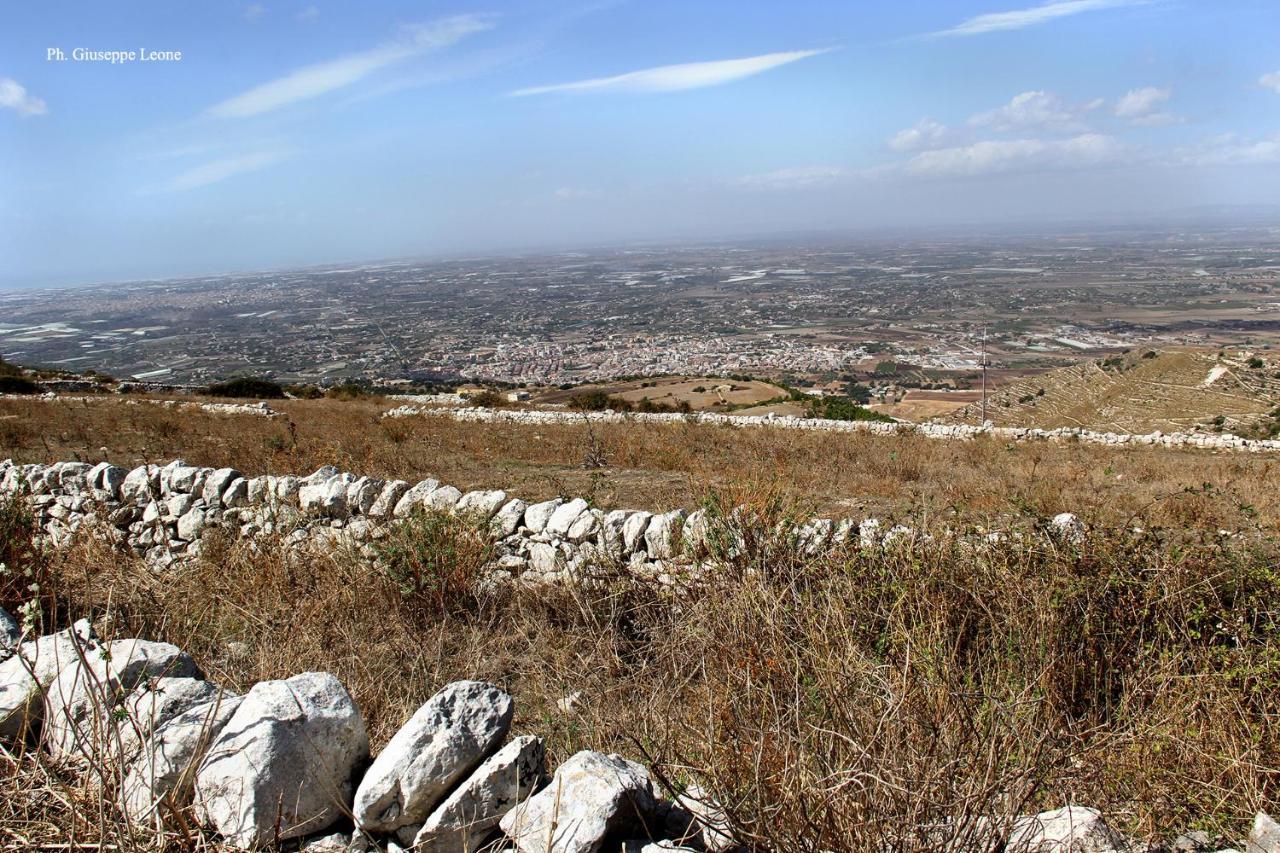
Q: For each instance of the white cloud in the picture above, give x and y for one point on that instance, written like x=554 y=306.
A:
x=1270 y=81
x=220 y=170
x=14 y=96
x=1036 y=109
x=254 y=11
x=314 y=80
x=799 y=177
x=1015 y=155
x=308 y=14
x=573 y=194
x=1018 y=19
x=1141 y=106
x=926 y=133
x=670 y=78
x=1231 y=150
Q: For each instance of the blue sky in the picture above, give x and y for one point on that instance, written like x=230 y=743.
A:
x=294 y=132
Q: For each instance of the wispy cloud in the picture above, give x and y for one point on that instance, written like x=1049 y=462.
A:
x=220 y=170
x=925 y=134
x=313 y=81
x=1036 y=109
x=14 y=96
x=311 y=13
x=799 y=177
x=1270 y=81
x=1018 y=19
x=1014 y=155
x=254 y=11
x=1230 y=149
x=1142 y=106
x=670 y=78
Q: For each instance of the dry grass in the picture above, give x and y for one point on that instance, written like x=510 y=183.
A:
x=659 y=466
x=869 y=699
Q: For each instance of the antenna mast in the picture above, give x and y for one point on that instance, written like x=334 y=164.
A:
x=984 y=376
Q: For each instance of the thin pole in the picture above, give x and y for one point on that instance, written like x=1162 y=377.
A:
x=984 y=376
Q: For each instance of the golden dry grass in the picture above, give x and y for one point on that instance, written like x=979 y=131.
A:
x=657 y=466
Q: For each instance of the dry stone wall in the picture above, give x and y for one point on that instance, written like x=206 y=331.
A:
x=162 y=512
x=1208 y=441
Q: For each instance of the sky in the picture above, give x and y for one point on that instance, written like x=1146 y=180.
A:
x=293 y=132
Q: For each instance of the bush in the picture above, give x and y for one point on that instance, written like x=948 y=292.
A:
x=843 y=409
x=487 y=400
x=598 y=401
x=24 y=582
x=433 y=560
x=246 y=387
x=10 y=384
x=347 y=391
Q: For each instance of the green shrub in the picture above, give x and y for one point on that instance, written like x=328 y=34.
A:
x=246 y=387
x=10 y=384
x=432 y=560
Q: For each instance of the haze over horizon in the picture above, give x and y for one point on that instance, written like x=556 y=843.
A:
x=299 y=133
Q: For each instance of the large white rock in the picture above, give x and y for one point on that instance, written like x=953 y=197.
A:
x=139 y=484
x=443 y=741
x=1264 y=837
x=216 y=484
x=362 y=493
x=474 y=808
x=387 y=499
x=564 y=517
x=507 y=520
x=153 y=703
x=481 y=504
x=415 y=497
x=537 y=515
x=585 y=527
x=591 y=796
x=83 y=703
x=1071 y=829
x=25 y=676
x=443 y=498
x=662 y=537
x=283 y=765
x=159 y=780
x=633 y=531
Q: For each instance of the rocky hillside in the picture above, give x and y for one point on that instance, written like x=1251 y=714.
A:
x=1207 y=391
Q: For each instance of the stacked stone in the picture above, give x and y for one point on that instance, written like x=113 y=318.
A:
x=960 y=432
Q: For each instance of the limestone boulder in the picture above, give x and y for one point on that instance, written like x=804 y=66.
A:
x=507 y=520
x=1071 y=829
x=387 y=499
x=564 y=516
x=592 y=796
x=159 y=779
x=662 y=537
x=414 y=498
x=481 y=504
x=26 y=676
x=443 y=742
x=89 y=696
x=472 y=811
x=536 y=516
x=283 y=765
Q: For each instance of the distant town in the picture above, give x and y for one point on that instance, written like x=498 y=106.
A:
x=917 y=312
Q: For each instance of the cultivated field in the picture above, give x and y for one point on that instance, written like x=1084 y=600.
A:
x=702 y=394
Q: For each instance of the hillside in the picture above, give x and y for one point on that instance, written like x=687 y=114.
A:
x=1145 y=390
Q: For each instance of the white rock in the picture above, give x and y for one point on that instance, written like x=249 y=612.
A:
x=25 y=676
x=138 y=484
x=585 y=527
x=236 y=494
x=508 y=518
x=481 y=504
x=537 y=515
x=82 y=702
x=591 y=796
x=415 y=497
x=216 y=483
x=1068 y=526
x=611 y=528
x=444 y=740
x=1071 y=829
x=564 y=517
x=191 y=524
x=443 y=498
x=633 y=532
x=474 y=808
x=362 y=493
x=661 y=538
x=283 y=765
x=1264 y=837
x=708 y=818
x=161 y=777
x=387 y=499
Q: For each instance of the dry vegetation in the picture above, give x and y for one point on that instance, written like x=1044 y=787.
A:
x=659 y=466
x=870 y=699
